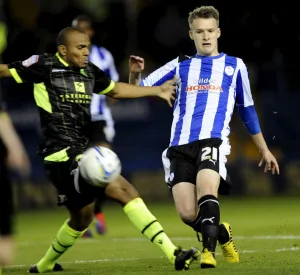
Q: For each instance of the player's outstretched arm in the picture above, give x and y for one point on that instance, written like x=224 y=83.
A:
x=165 y=91
x=4 y=71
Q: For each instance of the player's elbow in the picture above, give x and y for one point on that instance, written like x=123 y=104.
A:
x=253 y=127
x=121 y=90
x=113 y=93
x=250 y=119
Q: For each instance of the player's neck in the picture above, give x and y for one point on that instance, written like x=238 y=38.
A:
x=215 y=53
x=62 y=59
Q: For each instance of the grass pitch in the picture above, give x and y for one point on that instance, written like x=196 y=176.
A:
x=266 y=232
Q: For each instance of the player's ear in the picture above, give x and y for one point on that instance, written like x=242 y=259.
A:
x=62 y=50
x=191 y=34
x=219 y=33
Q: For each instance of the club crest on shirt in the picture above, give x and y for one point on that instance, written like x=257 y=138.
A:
x=79 y=87
x=31 y=60
x=229 y=70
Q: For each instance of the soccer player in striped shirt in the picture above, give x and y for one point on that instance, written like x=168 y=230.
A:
x=102 y=120
x=209 y=85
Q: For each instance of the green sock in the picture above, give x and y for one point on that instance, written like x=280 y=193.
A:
x=65 y=238
x=146 y=223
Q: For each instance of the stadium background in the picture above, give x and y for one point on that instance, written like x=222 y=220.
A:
x=266 y=38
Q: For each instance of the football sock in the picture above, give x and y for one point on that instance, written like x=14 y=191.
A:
x=210 y=219
x=65 y=238
x=196 y=223
x=146 y=223
x=223 y=236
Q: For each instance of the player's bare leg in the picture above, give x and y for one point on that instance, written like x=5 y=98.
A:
x=98 y=208
x=99 y=203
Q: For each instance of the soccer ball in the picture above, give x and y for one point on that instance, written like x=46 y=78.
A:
x=99 y=166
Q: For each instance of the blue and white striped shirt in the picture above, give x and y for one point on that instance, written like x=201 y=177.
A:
x=208 y=87
x=103 y=59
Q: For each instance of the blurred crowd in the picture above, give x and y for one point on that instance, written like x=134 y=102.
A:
x=267 y=38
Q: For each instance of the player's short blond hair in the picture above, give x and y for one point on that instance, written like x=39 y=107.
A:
x=204 y=12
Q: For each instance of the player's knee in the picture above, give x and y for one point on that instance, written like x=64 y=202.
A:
x=208 y=182
x=187 y=218
x=184 y=198
x=121 y=190
x=187 y=213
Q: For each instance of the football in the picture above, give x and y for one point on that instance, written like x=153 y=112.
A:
x=99 y=166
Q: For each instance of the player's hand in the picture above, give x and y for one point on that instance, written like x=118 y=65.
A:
x=18 y=160
x=136 y=64
x=168 y=91
x=271 y=162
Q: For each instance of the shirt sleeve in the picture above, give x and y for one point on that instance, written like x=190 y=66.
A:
x=103 y=84
x=244 y=101
x=161 y=75
x=32 y=69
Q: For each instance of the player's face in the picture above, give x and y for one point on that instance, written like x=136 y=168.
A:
x=77 y=49
x=205 y=33
x=86 y=28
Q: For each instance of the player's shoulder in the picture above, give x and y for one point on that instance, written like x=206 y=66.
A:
x=177 y=60
x=37 y=60
x=93 y=69
x=235 y=60
x=182 y=58
x=49 y=59
x=43 y=59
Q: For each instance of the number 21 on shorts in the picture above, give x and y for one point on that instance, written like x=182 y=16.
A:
x=209 y=153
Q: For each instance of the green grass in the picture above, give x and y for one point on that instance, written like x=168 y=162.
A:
x=124 y=251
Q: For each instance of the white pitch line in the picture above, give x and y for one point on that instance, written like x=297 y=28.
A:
x=275 y=237
x=86 y=261
x=271 y=237
x=134 y=259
